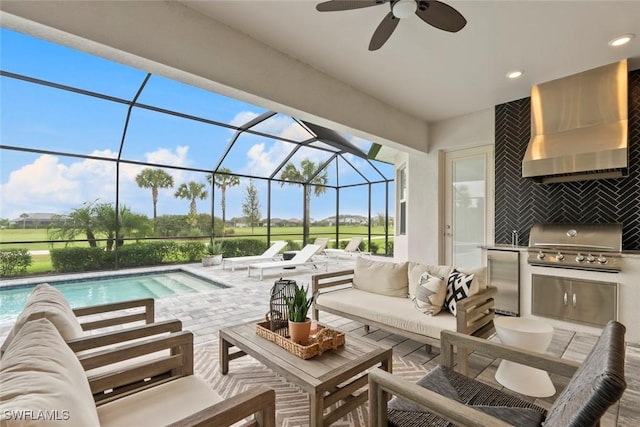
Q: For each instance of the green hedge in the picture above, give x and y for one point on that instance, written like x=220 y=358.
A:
x=68 y=260
x=243 y=247
x=14 y=262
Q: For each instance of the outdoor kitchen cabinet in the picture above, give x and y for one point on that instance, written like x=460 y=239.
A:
x=574 y=300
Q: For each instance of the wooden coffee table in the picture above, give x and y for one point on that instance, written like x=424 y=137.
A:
x=328 y=378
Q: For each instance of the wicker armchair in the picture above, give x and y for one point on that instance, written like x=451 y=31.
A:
x=445 y=397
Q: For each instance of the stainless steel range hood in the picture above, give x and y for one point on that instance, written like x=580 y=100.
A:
x=579 y=127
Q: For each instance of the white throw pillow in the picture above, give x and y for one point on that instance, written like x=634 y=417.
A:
x=379 y=277
x=430 y=294
x=415 y=270
x=42 y=377
x=48 y=302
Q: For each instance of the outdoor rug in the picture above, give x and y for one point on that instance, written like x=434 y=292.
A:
x=292 y=403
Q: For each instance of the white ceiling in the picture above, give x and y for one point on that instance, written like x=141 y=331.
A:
x=437 y=75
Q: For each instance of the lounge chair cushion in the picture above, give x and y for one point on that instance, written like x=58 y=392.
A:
x=480 y=396
x=48 y=302
x=159 y=405
x=42 y=375
x=379 y=277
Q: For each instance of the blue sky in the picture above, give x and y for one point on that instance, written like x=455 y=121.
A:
x=44 y=118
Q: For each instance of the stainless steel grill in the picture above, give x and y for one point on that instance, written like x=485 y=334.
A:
x=596 y=247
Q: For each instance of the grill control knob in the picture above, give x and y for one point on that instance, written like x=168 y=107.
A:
x=602 y=259
x=580 y=257
x=559 y=256
x=541 y=255
x=591 y=258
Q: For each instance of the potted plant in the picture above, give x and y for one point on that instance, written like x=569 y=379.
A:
x=298 y=306
x=212 y=254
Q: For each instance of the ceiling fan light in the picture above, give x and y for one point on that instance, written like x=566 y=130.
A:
x=404 y=8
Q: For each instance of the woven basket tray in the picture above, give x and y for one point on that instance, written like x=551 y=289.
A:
x=325 y=339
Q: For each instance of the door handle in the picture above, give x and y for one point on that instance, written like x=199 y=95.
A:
x=565 y=298
x=574 y=300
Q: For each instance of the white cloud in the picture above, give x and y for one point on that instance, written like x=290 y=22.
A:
x=49 y=185
x=242 y=118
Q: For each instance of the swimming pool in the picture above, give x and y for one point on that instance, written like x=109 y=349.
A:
x=102 y=290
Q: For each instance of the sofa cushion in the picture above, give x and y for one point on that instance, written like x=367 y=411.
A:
x=41 y=374
x=394 y=312
x=380 y=277
x=48 y=302
x=430 y=294
x=459 y=286
x=159 y=405
x=415 y=270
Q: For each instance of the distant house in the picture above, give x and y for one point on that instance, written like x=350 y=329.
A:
x=33 y=220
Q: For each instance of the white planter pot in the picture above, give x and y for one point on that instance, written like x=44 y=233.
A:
x=210 y=260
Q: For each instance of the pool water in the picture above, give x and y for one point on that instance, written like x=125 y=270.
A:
x=102 y=290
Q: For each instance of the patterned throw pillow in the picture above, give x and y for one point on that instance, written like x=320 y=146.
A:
x=458 y=288
x=430 y=294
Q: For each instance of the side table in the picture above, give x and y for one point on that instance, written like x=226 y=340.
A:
x=529 y=334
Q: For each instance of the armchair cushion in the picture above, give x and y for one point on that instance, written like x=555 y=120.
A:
x=462 y=389
x=48 y=302
x=159 y=405
x=41 y=374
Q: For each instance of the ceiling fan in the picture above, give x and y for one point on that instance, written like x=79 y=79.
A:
x=434 y=13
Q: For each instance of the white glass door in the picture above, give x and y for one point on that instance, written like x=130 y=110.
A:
x=468 y=205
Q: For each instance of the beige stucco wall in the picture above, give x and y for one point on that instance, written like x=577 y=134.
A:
x=424 y=239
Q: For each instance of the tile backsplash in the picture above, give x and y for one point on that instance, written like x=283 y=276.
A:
x=521 y=201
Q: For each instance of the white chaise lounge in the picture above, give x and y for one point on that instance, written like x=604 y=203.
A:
x=302 y=258
x=352 y=249
x=268 y=255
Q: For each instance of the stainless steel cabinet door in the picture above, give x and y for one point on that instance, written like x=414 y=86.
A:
x=503 y=268
x=551 y=296
x=593 y=303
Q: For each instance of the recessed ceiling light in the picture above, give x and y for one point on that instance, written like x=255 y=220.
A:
x=621 y=40
x=515 y=74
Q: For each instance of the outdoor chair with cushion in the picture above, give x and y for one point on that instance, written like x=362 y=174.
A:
x=41 y=375
x=45 y=301
x=352 y=249
x=445 y=397
x=322 y=242
x=268 y=255
x=302 y=258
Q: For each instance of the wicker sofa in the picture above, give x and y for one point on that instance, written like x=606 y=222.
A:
x=372 y=296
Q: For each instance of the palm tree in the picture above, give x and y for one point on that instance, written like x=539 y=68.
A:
x=24 y=217
x=192 y=191
x=154 y=179
x=79 y=221
x=224 y=180
x=306 y=176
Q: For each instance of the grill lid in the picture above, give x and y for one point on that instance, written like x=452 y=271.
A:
x=593 y=237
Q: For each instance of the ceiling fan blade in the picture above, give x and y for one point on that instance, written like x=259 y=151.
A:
x=337 y=5
x=384 y=31
x=441 y=16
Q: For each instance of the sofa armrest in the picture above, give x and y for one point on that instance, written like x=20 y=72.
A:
x=259 y=401
x=91 y=342
x=343 y=278
x=141 y=374
x=381 y=383
x=474 y=314
x=147 y=314
x=466 y=344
